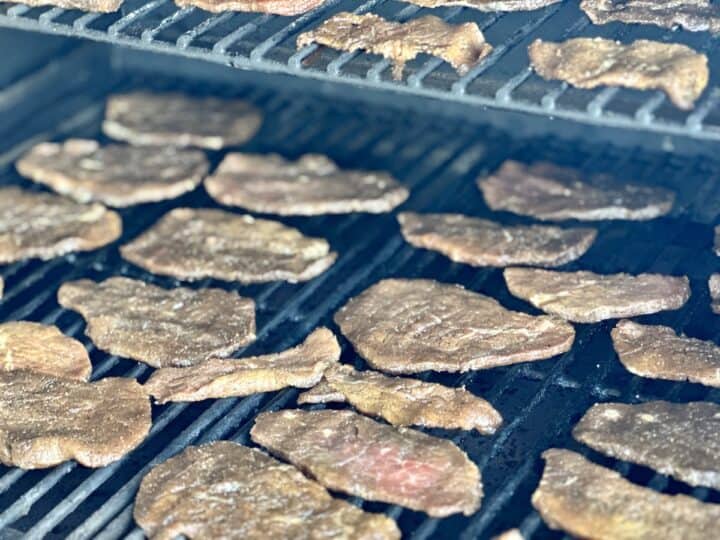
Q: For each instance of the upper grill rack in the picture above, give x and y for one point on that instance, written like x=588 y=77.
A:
x=504 y=80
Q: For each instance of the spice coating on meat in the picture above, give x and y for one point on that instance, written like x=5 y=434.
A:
x=277 y=7
x=678 y=70
x=192 y=244
x=148 y=119
x=692 y=15
x=47 y=420
x=99 y=6
x=116 y=174
x=413 y=325
x=42 y=349
x=45 y=226
x=301 y=367
x=224 y=490
x=359 y=456
x=714 y=287
x=590 y=501
x=402 y=401
x=312 y=185
x=678 y=439
x=161 y=327
x=586 y=297
x=481 y=242
x=489 y=5
x=462 y=46
x=546 y=191
x=658 y=353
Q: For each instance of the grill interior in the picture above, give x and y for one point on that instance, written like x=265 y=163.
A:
x=504 y=80
x=540 y=401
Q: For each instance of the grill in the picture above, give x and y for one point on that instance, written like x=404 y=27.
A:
x=439 y=161
x=503 y=81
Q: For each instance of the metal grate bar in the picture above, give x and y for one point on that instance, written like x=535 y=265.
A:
x=186 y=39
x=460 y=87
x=119 y=25
x=150 y=33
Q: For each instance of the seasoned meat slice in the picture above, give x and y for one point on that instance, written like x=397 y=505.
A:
x=678 y=439
x=590 y=501
x=658 y=353
x=145 y=118
x=161 y=327
x=717 y=240
x=714 y=286
x=46 y=420
x=277 y=7
x=413 y=325
x=301 y=366
x=489 y=5
x=512 y=534
x=226 y=490
x=410 y=402
x=486 y=243
x=116 y=174
x=692 y=15
x=322 y=392
x=462 y=46
x=194 y=244
x=549 y=192
x=45 y=226
x=42 y=349
x=586 y=297
x=310 y=186
x=100 y=6
x=678 y=70
x=359 y=456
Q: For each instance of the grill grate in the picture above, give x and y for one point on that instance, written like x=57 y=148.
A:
x=539 y=401
x=503 y=80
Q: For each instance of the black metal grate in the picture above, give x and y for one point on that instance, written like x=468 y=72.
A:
x=539 y=401
x=503 y=80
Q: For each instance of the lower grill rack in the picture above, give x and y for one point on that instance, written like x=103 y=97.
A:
x=540 y=401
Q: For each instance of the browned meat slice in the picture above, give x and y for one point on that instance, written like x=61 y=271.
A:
x=161 y=327
x=42 y=349
x=590 y=501
x=485 y=243
x=410 y=402
x=46 y=420
x=322 y=392
x=489 y=5
x=546 y=191
x=101 y=6
x=226 y=490
x=462 y=46
x=413 y=325
x=586 y=297
x=310 y=186
x=678 y=70
x=145 y=118
x=714 y=286
x=359 y=456
x=657 y=352
x=678 y=439
x=693 y=15
x=116 y=174
x=301 y=366
x=278 y=7
x=717 y=240
x=45 y=226
x=194 y=244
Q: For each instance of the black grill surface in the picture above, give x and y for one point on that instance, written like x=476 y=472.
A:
x=503 y=80
x=540 y=401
